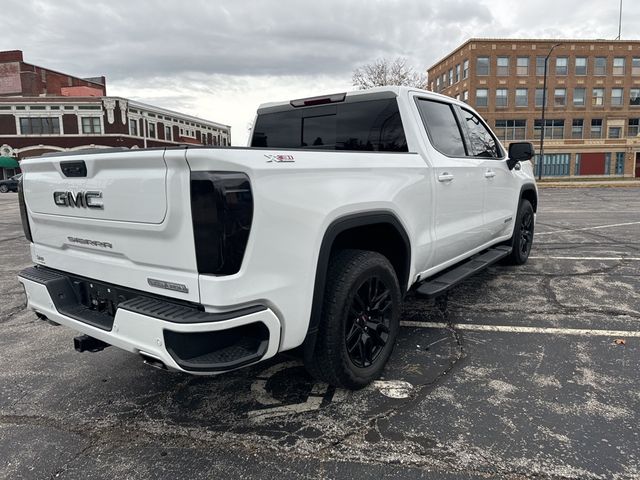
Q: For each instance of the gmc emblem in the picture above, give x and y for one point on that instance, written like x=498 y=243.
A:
x=81 y=199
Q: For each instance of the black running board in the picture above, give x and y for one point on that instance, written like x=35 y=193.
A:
x=438 y=285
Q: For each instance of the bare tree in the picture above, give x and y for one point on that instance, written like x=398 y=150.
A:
x=386 y=72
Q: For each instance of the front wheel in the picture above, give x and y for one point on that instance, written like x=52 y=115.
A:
x=522 y=239
x=4 y=188
x=360 y=319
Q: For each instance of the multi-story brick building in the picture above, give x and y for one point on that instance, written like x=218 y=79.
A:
x=45 y=111
x=592 y=119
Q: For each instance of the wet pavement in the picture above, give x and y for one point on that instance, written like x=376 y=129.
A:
x=519 y=377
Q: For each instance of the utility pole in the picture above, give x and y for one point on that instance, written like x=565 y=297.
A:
x=620 y=23
x=544 y=104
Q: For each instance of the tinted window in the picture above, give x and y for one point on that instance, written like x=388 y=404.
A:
x=481 y=141
x=372 y=125
x=442 y=127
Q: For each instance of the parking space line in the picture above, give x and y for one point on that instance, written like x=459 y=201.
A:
x=523 y=329
x=635 y=259
x=588 y=228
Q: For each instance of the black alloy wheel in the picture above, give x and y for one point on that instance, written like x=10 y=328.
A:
x=368 y=323
x=359 y=322
x=526 y=233
x=522 y=239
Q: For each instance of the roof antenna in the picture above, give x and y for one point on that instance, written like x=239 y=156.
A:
x=620 y=22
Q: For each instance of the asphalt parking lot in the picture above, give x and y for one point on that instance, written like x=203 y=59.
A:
x=520 y=377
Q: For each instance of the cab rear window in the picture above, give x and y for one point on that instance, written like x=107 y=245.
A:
x=373 y=125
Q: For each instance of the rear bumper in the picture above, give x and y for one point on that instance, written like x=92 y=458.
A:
x=182 y=337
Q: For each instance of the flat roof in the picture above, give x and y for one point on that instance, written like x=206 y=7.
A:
x=529 y=40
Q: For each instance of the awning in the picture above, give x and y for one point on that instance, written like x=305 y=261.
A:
x=9 y=162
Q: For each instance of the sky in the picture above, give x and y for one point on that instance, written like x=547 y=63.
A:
x=220 y=60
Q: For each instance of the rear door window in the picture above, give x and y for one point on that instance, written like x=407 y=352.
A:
x=442 y=127
x=373 y=125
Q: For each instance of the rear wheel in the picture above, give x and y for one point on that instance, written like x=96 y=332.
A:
x=360 y=319
x=522 y=239
x=4 y=188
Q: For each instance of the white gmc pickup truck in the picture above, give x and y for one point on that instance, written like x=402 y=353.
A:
x=207 y=259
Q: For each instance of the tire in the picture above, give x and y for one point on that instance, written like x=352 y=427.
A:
x=522 y=239
x=359 y=322
x=4 y=188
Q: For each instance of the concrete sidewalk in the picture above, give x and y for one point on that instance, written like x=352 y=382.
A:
x=599 y=183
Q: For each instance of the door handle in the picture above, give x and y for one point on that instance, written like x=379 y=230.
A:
x=489 y=174
x=445 y=177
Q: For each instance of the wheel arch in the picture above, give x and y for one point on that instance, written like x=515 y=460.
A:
x=529 y=192
x=379 y=231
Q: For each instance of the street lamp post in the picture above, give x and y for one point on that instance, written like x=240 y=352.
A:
x=544 y=104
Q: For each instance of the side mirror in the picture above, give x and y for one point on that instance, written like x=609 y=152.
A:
x=519 y=152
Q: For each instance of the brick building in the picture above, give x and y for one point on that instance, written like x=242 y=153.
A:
x=592 y=113
x=46 y=111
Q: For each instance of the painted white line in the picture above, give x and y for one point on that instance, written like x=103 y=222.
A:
x=588 y=228
x=518 y=329
x=635 y=259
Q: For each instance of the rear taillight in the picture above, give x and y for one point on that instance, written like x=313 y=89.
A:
x=221 y=210
x=23 y=211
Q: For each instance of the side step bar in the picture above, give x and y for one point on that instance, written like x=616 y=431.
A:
x=438 y=285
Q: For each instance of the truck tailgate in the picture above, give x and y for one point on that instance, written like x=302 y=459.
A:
x=125 y=221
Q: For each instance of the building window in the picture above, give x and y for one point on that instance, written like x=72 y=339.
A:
x=39 y=126
x=597 y=99
x=482 y=96
x=539 y=95
x=457 y=77
x=151 y=130
x=438 y=84
x=616 y=96
x=554 y=164
x=444 y=80
x=577 y=127
x=634 y=96
x=619 y=163
x=451 y=76
x=635 y=66
x=578 y=97
x=522 y=66
x=482 y=66
x=91 y=125
x=615 y=132
x=633 y=127
x=522 y=97
x=562 y=65
x=503 y=66
x=540 y=66
x=560 y=97
x=465 y=69
x=508 y=130
x=502 y=97
x=596 y=128
x=167 y=133
x=554 y=129
x=618 y=66
x=600 y=66
x=465 y=96
x=133 y=127
x=581 y=65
